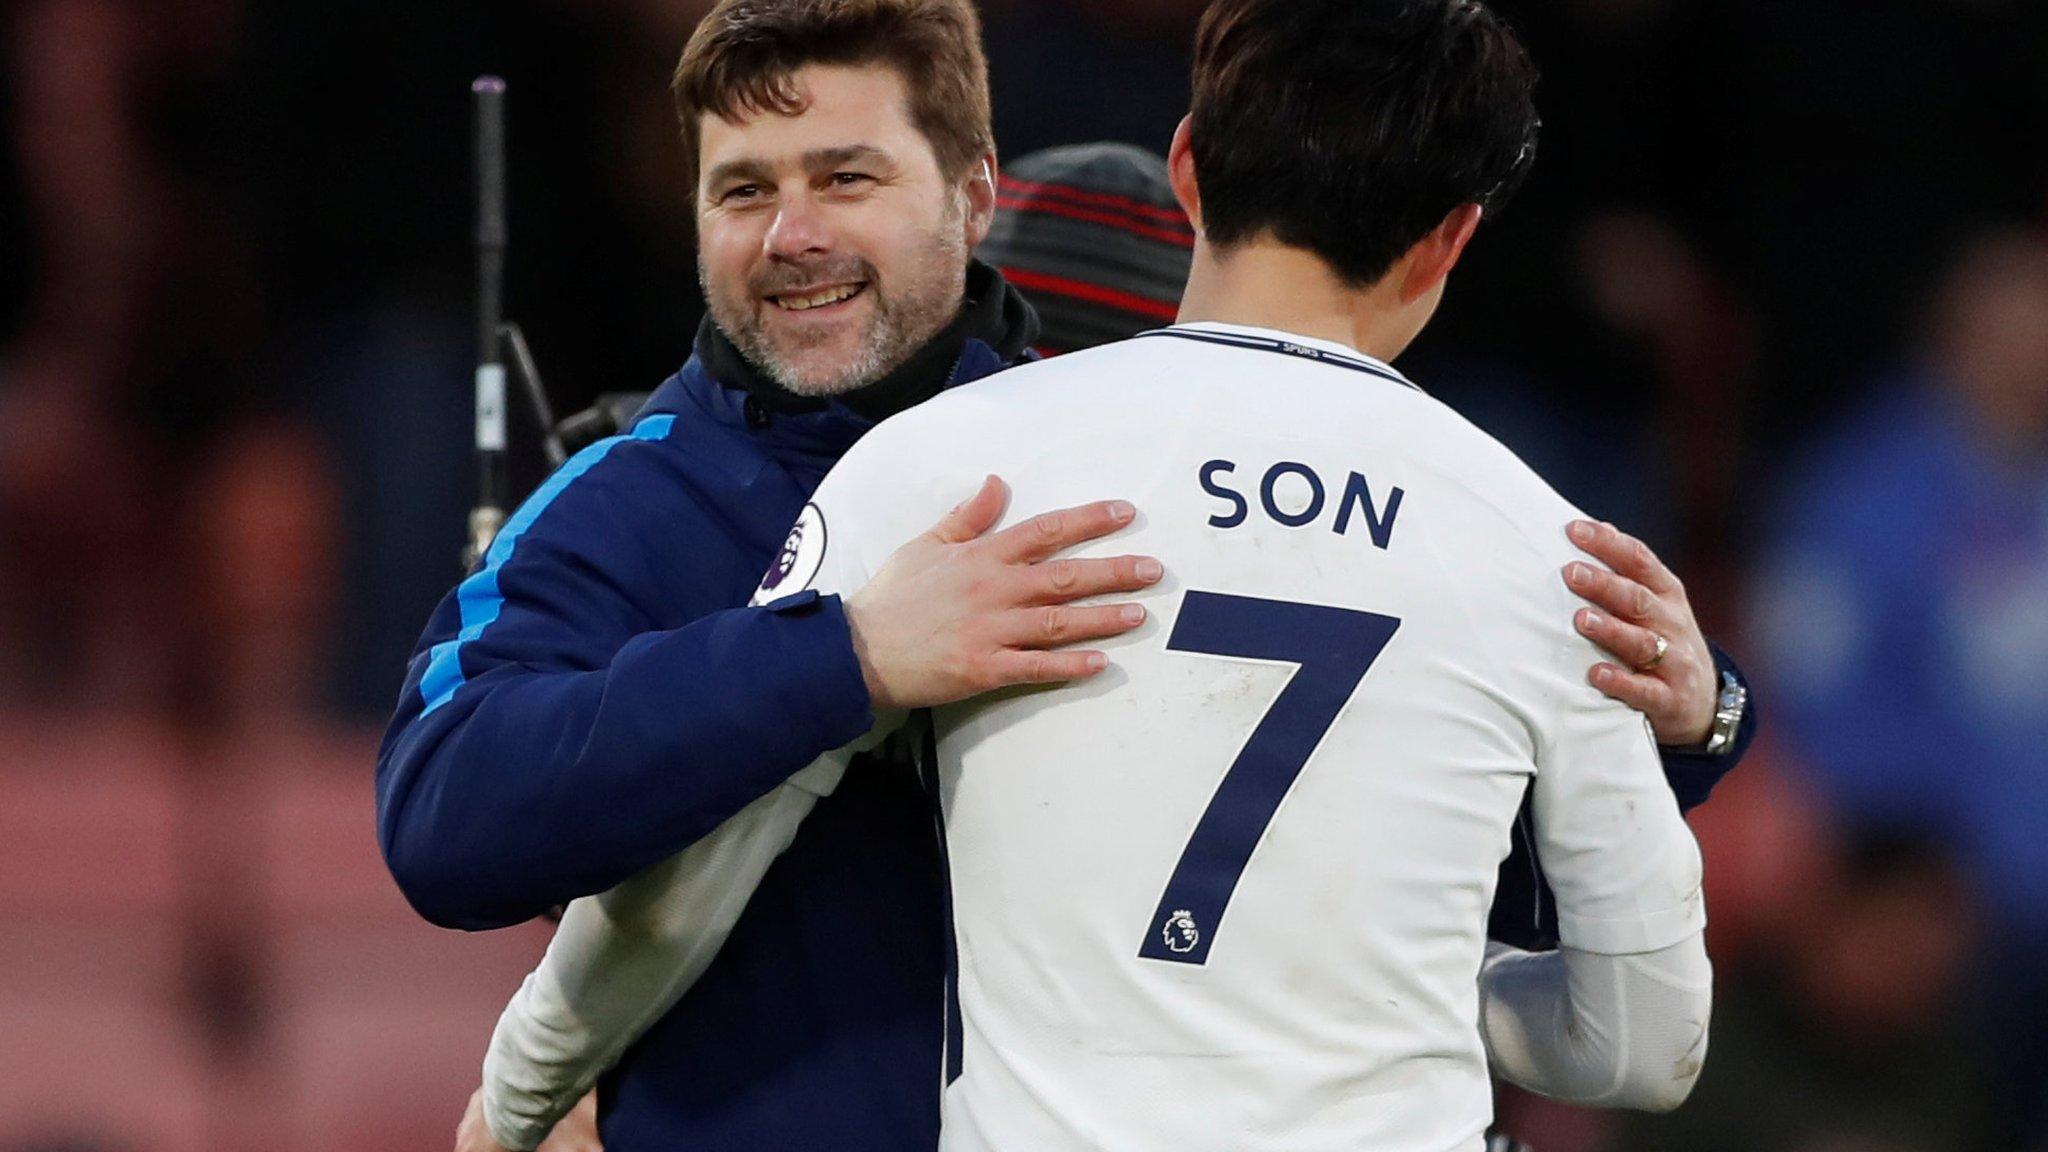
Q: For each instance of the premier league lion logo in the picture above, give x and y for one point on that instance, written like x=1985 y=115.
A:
x=1180 y=932
x=797 y=564
x=785 y=562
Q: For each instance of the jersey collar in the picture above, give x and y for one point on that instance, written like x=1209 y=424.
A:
x=1285 y=344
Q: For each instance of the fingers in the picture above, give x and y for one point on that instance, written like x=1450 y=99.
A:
x=1047 y=535
x=1633 y=646
x=1060 y=625
x=1010 y=668
x=1029 y=646
x=1059 y=581
x=976 y=515
x=1625 y=554
x=1618 y=594
x=1639 y=690
x=1639 y=601
x=962 y=610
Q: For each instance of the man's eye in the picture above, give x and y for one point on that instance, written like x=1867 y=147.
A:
x=742 y=194
x=851 y=179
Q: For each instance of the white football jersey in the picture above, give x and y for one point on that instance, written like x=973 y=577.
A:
x=1232 y=894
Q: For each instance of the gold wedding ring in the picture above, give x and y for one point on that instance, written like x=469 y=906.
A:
x=1663 y=646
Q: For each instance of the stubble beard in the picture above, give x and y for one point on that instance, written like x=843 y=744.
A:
x=905 y=317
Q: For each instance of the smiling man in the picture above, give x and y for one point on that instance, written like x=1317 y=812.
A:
x=874 y=271
x=590 y=702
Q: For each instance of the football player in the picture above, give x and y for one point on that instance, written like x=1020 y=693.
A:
x=1234 y=893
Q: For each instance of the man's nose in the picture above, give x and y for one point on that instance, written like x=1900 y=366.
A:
x=799 y=229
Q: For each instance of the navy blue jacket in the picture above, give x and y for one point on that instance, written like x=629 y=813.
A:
x=589 y=703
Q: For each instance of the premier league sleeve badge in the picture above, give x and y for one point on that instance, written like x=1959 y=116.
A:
x=797 y=564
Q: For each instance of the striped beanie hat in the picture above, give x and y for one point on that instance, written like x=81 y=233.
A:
x=1092 y=236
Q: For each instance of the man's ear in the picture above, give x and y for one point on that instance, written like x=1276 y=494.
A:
x=1433 y=257
x=1180 y=169
x=981 y=200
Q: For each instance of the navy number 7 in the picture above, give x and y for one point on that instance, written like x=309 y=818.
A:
x=1334 y=648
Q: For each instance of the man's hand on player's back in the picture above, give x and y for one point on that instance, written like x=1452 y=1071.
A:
x=955 y=612
x=1643 y=600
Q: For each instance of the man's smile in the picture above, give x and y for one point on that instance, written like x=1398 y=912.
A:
x=813 y=299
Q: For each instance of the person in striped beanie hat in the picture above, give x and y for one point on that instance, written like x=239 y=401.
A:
x=1093 y=237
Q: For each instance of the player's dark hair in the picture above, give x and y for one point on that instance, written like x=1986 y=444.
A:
x=744 y=56
x=1351 y=128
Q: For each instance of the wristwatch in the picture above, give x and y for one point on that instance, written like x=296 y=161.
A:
x=1728 y=709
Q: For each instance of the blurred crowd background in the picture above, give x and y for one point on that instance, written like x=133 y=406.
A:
x=1776 y=298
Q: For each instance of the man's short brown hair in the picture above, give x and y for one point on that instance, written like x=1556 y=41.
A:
x=744 y=55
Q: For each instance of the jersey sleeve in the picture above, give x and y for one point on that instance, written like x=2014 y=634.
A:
x=1601 y=1031
x=1524 y=912
x=620 y=960
x=1623 y=865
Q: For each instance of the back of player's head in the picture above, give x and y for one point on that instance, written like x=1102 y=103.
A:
x=744 y=54
x=1351 y=128
x=1093 y=237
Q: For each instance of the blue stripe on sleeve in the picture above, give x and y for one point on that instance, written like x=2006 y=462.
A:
x=479 y=600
